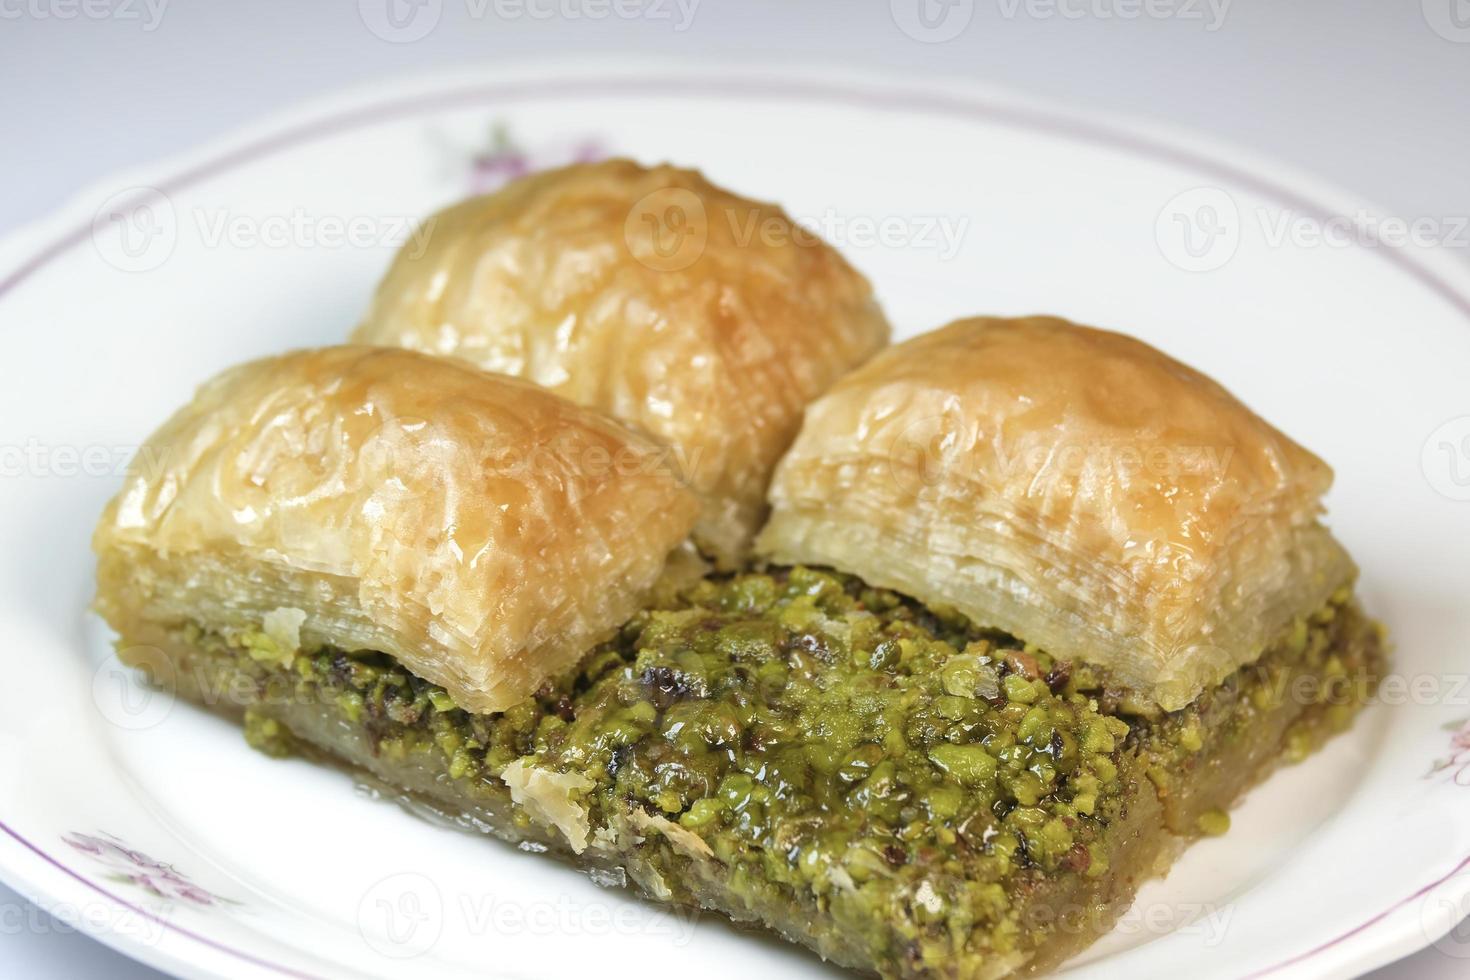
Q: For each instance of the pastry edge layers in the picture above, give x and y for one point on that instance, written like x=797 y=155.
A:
x=1167 y=671
x=479 y=528
x=1074 y=487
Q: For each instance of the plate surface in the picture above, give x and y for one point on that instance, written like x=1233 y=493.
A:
x=153 y=826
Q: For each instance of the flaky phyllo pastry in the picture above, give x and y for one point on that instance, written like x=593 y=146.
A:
x=481 y=531
x=1071 y=486
x=1041 y=605
x=699 y=317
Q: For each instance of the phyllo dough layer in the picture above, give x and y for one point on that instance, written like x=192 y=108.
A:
x=702 y=318
x=1071 y=486
x=481 y=530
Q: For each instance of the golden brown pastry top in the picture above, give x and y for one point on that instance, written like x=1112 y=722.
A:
x=699 y=317
x=1073 y=486
x=480 y=529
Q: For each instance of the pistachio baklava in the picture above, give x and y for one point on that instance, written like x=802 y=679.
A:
x=703 y=318
x=978 y=692
x=477 y=529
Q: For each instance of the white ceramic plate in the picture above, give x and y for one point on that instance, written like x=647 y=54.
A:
x=154 y=827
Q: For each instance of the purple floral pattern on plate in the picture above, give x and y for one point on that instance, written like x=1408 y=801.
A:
x=502 y=159
x=1457 y=763
x=124 y=864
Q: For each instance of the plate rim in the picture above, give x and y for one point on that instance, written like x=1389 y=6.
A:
x=47 y=881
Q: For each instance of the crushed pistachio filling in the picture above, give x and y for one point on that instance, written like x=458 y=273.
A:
x=839 y=748
x=815 y=730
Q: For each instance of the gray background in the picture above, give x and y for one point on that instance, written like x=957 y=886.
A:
x=1374 y=95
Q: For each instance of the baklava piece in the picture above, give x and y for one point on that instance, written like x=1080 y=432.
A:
x=482 y=532
x=699 y=317
x=1071 y=486
x=1140 y=540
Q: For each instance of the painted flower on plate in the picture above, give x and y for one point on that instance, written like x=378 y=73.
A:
x=125 y=864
